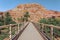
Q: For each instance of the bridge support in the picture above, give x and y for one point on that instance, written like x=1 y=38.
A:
x=51 y=33
x=18 y=27
x=10 y=33
x=42 y=28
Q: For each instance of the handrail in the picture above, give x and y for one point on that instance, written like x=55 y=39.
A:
x=12 y=27
x=58 y=27
x=23 y=27
x=4 y=26
x=39 y=31
x=10 y=30
x=51 y=29
x=20 y=32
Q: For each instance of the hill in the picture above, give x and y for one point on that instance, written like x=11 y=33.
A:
x=36 y=12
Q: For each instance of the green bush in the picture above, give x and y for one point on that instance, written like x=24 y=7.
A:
x=26 y=16
x=53 y=21
x=8 y=19
x=1 y=22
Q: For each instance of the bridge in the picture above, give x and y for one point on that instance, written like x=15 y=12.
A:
x=31 y=31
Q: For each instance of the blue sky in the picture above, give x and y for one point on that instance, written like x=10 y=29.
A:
x=48 y=4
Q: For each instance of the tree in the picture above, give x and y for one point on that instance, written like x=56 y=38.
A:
x=43 y=20
x=8 y=19
x=26 y=16
x=1 y=21
x=53 y=21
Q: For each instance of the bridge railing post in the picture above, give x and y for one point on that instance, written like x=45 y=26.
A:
x=51 y=32
x=18 y=27
x=42 y=28
x=10 y=35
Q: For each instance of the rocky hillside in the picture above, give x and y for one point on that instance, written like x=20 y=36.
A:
x=36 y=12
